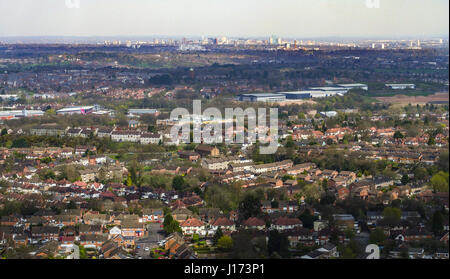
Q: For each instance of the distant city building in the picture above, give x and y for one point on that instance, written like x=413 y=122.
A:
x=401 y=86
x=261 y=97
x=12 y=114
x=76 y=110
x=139 y=112
x=328 y=113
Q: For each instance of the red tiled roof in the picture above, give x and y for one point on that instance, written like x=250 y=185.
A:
x=253 y=222
x=192 y=222
x=286 y=221
x=222 y=222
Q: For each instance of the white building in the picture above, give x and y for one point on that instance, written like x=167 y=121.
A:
x=401 y=86
x=149 y=138
x=126 y=136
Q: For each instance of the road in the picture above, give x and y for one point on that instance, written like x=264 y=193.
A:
x=155 y=234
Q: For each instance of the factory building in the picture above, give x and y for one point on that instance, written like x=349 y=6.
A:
x=261 y=97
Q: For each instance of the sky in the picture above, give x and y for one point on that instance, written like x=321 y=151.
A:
x=231 y=18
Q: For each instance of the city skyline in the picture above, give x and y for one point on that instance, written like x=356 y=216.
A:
x=263 y=18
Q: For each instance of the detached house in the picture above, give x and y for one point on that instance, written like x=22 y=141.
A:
x=152 y=215
x=192 y=226
x=225 y=225
x=254 y=224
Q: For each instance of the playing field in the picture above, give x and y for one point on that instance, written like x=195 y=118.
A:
x=414 y=100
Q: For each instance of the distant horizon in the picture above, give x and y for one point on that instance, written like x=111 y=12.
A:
x=391 y=19
x=198 y=37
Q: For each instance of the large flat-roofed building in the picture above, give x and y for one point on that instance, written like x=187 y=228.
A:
x=350 y=86
x=305 y=94
x=139 y=112
x=76 y=110
x=333 y=90
x=401 y=86
x=261 y=97
x=12 y=114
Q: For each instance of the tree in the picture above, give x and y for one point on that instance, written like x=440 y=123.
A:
x=391 y=215
x=217 y=235
x=377 y=236
x=245 y=246
x=195 y=237
x=439 y=182
x=250 y=207
x=443 y=162
x=405 y=179
x=278 y=243
x=225 y=243
x=348 y=253
x=437 y=223
x=178 y=183
x=398 y=135
x=129 y=180
x=307 y=219
x=171 y=225
x=289 y=142
x=4 y=132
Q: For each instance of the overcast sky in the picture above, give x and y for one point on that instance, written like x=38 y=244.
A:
x=249 y=18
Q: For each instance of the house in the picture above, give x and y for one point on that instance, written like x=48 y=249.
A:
x=383 y=182
x=207 y=150
x=189 y=155
x=314 y=255
x=254 y=223
x=132 y=230
x=44 y=234
x=152 y=215
x=300 y=169
x=344 y=221
x=342 y=192
x=182 y=214
x=177 y=247
x=66 y=220
x=416 y=235
x=94 y=219
x=286 y=223
x=220 y=163
x=302 y=236
x=126 y=136
x=193 y=226
x=329 y=250
x=104 y=132
x=150 y=138
x=286 y=164
x=93 y=240
x=209 y=214
x=88 y=175
x=115 y=231
x=225 y=225
x=85 y=229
